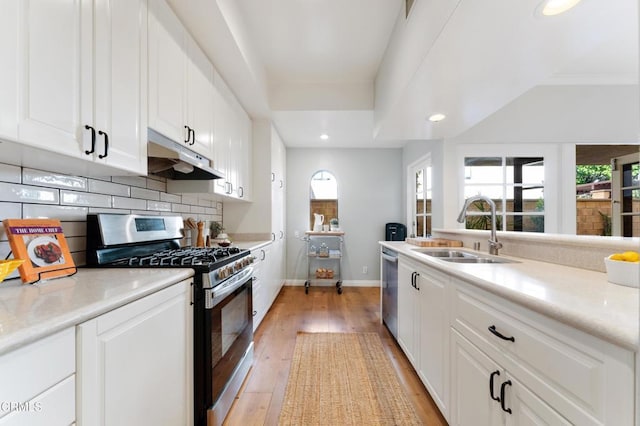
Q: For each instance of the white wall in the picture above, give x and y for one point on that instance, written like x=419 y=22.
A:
x=370 y=186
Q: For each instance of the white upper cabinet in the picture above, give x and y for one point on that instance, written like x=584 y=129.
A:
x=200 y=109
x=181 y=103
x=232 y=144
x=120 y=83
x=167 y=73
x=81 y=80
x=9 y=69
x=50 y=102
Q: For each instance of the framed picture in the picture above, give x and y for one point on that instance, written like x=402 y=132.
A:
x=41 y=244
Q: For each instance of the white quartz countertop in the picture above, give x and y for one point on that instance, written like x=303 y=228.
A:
x=580 y=298
x=251 y=245
x=31 y=312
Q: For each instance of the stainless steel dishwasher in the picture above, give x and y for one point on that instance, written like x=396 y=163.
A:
x=389 y=284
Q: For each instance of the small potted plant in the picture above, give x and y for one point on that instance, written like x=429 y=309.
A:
x=215 y=228
x=335 y=225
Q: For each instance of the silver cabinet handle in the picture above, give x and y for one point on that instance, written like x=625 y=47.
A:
x=264 y=255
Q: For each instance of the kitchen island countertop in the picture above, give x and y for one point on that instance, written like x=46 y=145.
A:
x=29 y=312
x=577 y=297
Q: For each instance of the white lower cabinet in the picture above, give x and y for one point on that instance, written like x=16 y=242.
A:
x=423 y=327
x=485 y=394
x=37 y=385
x=513 y=366
x=260 y=285
x=488 y=361
x=135 y=362
x=267 y=279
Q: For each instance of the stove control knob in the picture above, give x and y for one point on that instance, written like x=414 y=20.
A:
x=221 y=274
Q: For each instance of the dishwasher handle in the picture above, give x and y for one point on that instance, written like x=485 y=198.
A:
x=392 y=259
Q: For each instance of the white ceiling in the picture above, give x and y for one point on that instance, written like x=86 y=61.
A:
x=311 y=65
x=321 y=59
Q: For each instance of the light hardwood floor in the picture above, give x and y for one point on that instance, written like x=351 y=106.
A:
x=322 y=310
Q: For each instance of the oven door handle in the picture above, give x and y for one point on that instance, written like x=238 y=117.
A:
x=217 y=294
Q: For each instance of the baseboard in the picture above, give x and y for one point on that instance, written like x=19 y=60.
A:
x=346 y=283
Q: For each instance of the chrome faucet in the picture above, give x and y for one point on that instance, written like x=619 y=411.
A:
x=494 y=245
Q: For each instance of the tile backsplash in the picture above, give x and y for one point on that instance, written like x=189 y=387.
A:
x=28 y=193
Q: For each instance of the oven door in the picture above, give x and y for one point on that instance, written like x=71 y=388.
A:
x=229 y=329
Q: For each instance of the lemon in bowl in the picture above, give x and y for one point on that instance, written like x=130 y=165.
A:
x=623 y=268
x=8 y=266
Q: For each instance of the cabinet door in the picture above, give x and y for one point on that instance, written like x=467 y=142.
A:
x=470 y=385
x=527 y=409
x=434 y=337
x=167 y=72
x=277 y=186
x=119 y=63
x=135 y=363
x=221 y=134
x=9 y=30
x=245 y=171
x=407 y=295
x=52 y=108
x=200 y=99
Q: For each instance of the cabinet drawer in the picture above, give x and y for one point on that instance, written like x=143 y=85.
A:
x=558 y=364
x=54 y=407
x=36 y=367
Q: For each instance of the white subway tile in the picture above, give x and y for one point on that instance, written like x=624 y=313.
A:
x=129 y=203
x=170 y=198
x=197 y=209
x=9 y=173
x=9 y=211
x=76 y=243
x=74 y=228
x=114 y=211
x=189 y=199
x=73 y=198
x=145 y=194
x=138 y=181
x=205 y=203
x=181 y=208
x=28 y=194
x=66 y=213
x=159 y=206
x=53 y=180
x=158 y=185
x=145 y=212
x=103 y=187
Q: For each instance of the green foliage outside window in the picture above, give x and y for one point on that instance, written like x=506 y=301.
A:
x=589 y=174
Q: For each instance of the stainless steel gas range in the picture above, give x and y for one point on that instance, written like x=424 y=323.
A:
x=222 y=302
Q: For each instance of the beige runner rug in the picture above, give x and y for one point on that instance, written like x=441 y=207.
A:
x=343 y=379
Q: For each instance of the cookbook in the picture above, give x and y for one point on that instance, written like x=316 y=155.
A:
x=42 y=246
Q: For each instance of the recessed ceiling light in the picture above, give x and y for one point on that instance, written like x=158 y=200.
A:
x=437 y=117
x=324 y=136
x=556 y=7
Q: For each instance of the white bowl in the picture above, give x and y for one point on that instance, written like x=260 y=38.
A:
x=623 y=273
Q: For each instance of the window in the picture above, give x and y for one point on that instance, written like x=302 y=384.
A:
x=515 y=184
x=422 y=209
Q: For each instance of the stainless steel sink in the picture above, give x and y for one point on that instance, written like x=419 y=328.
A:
x=446 y=253
x=477 y=260
x=461 y=256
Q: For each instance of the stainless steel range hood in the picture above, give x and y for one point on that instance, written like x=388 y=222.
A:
x=172 y=160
